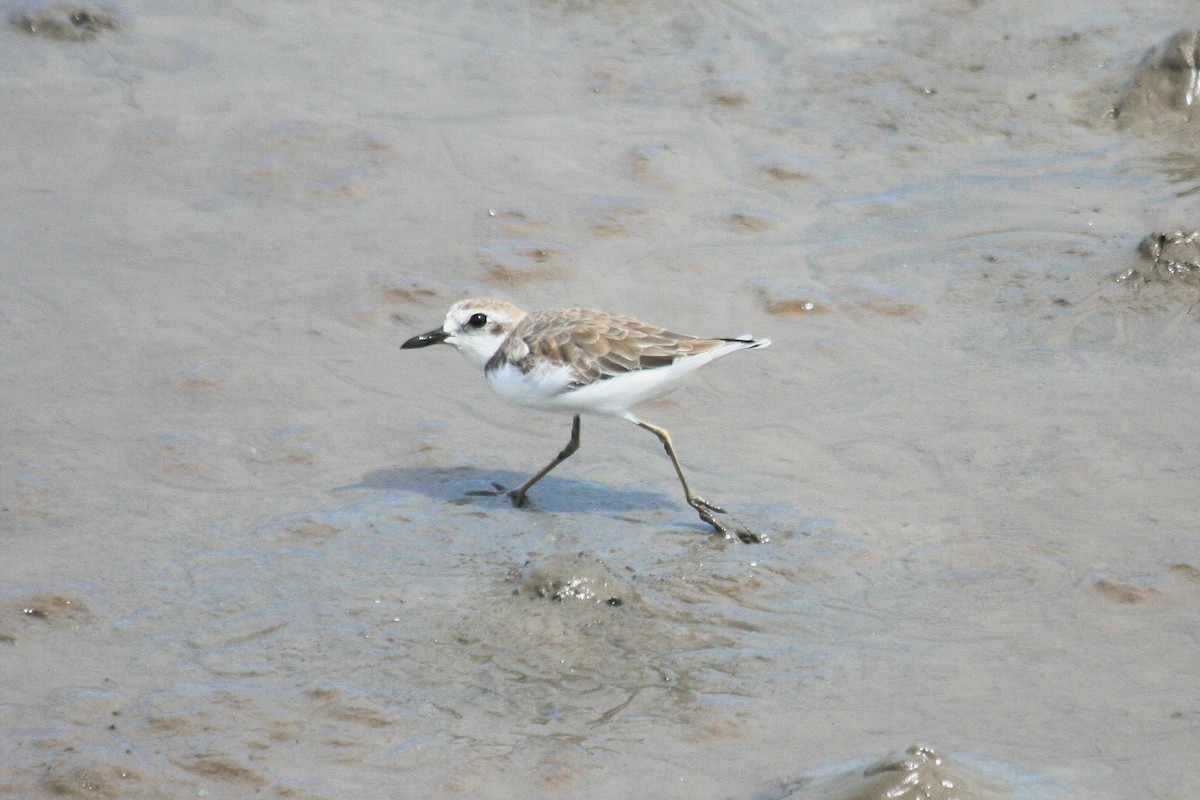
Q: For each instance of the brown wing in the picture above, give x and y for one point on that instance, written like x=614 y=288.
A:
x=599 y=345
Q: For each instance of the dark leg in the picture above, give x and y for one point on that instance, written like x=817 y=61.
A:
x=704 y=508
x=517 y=495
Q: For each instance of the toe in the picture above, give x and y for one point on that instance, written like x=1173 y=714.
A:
x=711 y=520
x=700 y=503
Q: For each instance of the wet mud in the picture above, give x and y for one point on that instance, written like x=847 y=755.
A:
x=252 y=548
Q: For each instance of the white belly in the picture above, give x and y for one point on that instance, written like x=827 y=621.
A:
x=547 y=389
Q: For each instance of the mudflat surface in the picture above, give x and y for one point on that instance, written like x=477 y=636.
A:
x=243 y=546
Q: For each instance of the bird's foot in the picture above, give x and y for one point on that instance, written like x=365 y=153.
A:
x=516 y=496
x=743 y=534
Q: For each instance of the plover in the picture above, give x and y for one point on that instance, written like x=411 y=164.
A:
x=582 y=361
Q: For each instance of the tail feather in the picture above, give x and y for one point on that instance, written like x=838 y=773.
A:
x=749 y=341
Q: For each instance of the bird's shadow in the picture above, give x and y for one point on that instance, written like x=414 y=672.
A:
x=469 y=485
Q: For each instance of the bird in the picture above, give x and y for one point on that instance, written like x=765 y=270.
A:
x=578 y=360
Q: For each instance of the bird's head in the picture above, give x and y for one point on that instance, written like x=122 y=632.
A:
x=476 y=327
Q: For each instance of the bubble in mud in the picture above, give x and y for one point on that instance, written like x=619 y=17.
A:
x=65 y=21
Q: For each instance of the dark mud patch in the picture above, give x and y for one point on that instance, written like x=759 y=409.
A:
x=793 y=301
x=388 y=294
x=1178 y=584
x=746 y=221
x=221 y=768
x=786 y=169
x=613 y=217
x=520 y=263
x=68 y=777
x=183 y=458
x=50 y=608
x=202 y=379
x=519 y=221
x=70 y=22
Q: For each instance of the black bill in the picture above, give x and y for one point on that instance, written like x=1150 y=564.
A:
x=425 y=339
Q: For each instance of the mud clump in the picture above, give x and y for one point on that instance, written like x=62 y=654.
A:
x=1174 y=257
x=1163 y=282
x=72 y=22
x=1165 y=86
x=919 y=773
x=566 y=578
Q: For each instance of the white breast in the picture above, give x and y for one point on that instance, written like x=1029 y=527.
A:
x=537 y=388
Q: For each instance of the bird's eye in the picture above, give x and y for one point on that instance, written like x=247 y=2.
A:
x=477 y=321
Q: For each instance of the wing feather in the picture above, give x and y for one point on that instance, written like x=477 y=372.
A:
x=596 y=345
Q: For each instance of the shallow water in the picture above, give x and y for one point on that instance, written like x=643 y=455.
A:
x=245 y=545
